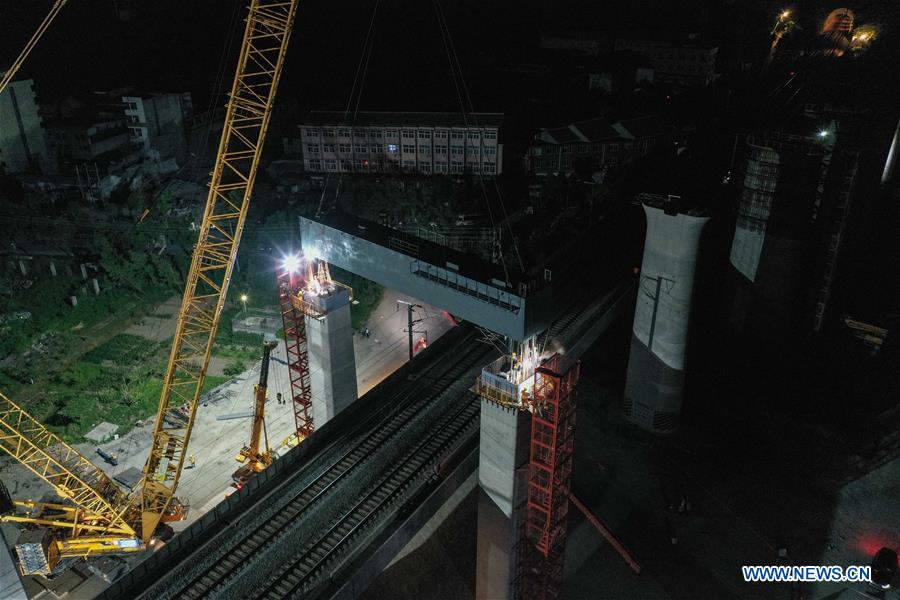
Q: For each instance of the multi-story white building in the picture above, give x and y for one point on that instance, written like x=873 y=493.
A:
x=412 y=142
x=158 y=122
x=22 y=144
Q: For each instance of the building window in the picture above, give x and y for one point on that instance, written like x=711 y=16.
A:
x=409 y=164
x=473 y=135
x=329 y=133
x=473 y=149
x=440 y=149
x=375 y=148
x=440 y=135
x=312 y=132
x=440 y=167
x=474 y=167
x=456 y=135
x=424 y=149
x=490 y=135
x=327 y=147
x=315 y=165
x=375 y=133
x=345 y=166
x=392 y=148
x=409 y=135
x=489 y=168
x=425 y=167
x=330 y=165
x=344 y=148
x=456 y=166
x=456 y=149
x=491 y=150
x=359 y=133
x=390 y=133
x=343 y=133
x=312 y=148
x=409 y=149
x=360 y=148
x=360 y=165
x=424 y=135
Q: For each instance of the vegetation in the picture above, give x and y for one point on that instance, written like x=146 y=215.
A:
x=366 y=293
x=119 y=382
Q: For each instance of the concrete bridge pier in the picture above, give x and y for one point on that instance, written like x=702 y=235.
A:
x=332 y=362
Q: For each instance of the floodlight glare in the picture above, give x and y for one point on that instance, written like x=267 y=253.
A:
x=291 y=264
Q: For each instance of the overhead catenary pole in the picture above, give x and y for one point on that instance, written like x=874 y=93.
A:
x=410 y=322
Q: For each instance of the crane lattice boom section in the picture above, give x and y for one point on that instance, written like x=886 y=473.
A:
x=104 y=506
x=260 y=63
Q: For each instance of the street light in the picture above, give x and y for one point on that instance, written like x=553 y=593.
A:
x=244 y=302
x=823 y=134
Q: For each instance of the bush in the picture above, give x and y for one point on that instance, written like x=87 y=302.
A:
x=235 y=367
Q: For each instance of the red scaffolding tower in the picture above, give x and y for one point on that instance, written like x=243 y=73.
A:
x=295 y=343
x=543 y=541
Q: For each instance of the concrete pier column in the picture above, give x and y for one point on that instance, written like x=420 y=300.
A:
x=332 y=361
x=96 y=286
x=83 y=271
x=22 y=268
x=653 y=385
x=502 y=474
x=53 y=268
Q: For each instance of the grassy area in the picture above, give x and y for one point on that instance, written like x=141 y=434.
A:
x=119 y=382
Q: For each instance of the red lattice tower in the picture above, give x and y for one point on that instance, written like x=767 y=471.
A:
x=295 y=343
x=549 y=478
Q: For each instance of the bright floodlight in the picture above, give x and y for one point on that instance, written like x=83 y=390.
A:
x=243 y=297
x=823 y=134
x=785 y=14
x=291 y=264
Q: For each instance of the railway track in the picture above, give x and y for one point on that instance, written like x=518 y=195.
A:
x=376 y=433
x=377 y=504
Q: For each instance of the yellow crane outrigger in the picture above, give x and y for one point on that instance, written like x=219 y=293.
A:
x=106 y=519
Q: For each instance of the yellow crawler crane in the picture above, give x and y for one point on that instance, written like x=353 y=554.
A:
x=103 y=518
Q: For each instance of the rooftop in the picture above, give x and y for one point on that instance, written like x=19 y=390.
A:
x=600 y=129
x=399 y=119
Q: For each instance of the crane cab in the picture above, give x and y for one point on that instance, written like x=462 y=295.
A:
x=176 y=511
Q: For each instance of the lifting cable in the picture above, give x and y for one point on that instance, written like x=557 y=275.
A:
x=466 y=107
x=356 y=90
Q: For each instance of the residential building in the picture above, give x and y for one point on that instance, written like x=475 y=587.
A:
x=22 y=144
x=595 y=144
x=88 y=137
x=687 y=63
x=159 y=123
x=412 y=142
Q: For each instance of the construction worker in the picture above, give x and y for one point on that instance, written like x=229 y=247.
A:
x=278 y=398
x=193 y=462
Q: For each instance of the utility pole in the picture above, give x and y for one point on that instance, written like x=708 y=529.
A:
x=410 y=322
x=659 y=279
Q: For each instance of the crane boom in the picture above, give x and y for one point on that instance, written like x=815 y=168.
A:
x=259 y=408
x=104 y=505
x=42 y=28
x=264 y=46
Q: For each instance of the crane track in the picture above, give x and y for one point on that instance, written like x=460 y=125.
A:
x=367 y=442
x=384 y=495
